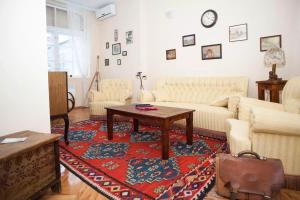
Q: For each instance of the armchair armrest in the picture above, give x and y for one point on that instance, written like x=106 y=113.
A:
x=274 y=122
x=146 y=96
x=247 y=103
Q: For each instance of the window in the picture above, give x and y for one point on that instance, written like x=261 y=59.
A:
x=66 y=42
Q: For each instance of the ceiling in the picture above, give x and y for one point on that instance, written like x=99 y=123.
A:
x=92 y=4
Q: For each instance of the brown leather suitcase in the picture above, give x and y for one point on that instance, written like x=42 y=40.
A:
x=248 y=177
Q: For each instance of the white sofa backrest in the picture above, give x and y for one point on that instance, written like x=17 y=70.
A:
x=202 y=89
x=291 y=95
x=112 y=88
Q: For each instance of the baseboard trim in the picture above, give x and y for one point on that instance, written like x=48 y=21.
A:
x=80 y=107
x=292 y=182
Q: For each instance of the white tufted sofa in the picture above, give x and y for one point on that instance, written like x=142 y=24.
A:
x=113 y=92
x=209 y=96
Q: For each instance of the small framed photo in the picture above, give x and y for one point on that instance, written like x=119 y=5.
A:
x=188 y=40
x=238 y=33
x=270 y=41
x=106 y=62
x=129 y=37
x=124 y=53
x=119 y=62
x=171 y=54
x=107 y=45
x=213 y=51
x=116 y=49
x=116 y=35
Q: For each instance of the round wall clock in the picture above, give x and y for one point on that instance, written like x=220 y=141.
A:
x=209 y=18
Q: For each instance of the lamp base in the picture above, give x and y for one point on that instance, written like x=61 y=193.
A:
x=272 y=74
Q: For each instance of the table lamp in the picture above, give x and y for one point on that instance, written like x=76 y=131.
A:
x=274 y=57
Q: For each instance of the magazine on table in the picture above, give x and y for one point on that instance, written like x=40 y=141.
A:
x=145 y=107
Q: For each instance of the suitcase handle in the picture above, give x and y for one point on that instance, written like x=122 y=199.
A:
x=240 y=154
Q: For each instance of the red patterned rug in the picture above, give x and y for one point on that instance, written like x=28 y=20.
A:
x=130 y=166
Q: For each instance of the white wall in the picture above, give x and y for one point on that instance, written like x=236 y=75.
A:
x=24 y=100
x=127 y=19
x=159 y=33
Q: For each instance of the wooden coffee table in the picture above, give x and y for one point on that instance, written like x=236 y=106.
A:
x=165 y=116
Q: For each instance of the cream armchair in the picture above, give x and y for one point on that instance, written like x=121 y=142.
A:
x=113 y=92
x=270 y=129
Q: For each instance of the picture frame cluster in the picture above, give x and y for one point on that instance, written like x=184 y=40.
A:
x=236 y=33
x=116 y=46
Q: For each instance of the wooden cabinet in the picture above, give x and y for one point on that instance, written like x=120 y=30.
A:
x=58 y=98
x=28 y=168
x=274 y=86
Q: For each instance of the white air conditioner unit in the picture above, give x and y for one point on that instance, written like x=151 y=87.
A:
x=106 y=12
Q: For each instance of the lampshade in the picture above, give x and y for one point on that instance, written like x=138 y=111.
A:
x=274 y=55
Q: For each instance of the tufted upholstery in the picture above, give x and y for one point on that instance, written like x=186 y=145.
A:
x=202 y=90
x=270 y=129
x=200 y=93
x=112 y=92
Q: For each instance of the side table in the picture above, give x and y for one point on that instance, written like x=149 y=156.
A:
x=29 y=168
x=274 y=86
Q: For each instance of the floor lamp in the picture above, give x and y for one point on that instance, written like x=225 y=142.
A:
x=96 y=77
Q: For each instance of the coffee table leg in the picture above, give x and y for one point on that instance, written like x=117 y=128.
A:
x=165 y=139
x=109 y=125
x=189 y=129
x=135 y=125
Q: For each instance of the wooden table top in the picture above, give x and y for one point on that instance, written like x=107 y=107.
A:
x=272 y=82
x=161 y=112
x=34 y=140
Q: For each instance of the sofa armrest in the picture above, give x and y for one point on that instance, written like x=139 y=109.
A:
x=274 y=122
x=96 y=96
x=146 y=96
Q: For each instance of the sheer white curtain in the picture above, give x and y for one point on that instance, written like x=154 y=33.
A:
x=78 y=25
x=79 y=31
x=69 y=45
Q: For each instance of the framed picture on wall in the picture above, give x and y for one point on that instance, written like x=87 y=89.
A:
x=107 y=45
x=116 y=35
x=129 y=37
x=116 y=49
x=238 y=33
x=106 y=62
x=213 y=51
x=270 y=41
x=171 y=54
x=188 y=40
x=119 y=62
x=124 y=53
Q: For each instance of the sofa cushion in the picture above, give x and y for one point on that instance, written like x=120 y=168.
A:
x=98 y=107
x=196 y=106
x=161 y=95
x=222 y=101
x=205 y=116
